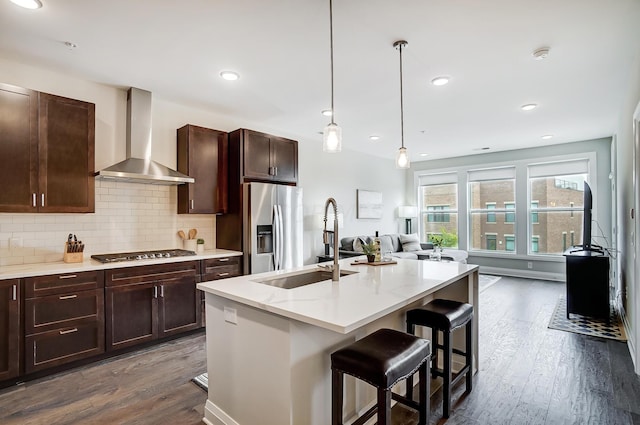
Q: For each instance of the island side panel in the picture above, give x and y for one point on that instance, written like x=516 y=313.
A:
x=248 y=366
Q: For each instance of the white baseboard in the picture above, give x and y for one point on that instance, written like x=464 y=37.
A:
x=213 y=415
x=529 y=274
x=631 y=343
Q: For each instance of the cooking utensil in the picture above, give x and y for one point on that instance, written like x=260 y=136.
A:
x=182 y=235
x=192 y=233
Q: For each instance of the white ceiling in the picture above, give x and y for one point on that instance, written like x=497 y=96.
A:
x=176 y=49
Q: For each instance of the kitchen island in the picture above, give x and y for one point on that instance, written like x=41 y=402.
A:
x=268 y=348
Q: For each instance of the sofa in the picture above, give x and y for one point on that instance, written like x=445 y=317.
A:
x=399 y=246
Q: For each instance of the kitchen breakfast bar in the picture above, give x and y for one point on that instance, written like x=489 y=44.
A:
x=268 y=348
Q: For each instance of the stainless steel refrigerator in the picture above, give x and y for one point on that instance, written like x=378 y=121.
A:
x=272 y=227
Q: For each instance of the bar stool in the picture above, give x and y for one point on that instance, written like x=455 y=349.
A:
x=446 y=316
x=382 y=359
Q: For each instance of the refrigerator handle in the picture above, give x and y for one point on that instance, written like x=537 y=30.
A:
x=280 y=238
x=276 y=239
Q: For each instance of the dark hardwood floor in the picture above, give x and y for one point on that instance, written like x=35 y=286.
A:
x=528 y=375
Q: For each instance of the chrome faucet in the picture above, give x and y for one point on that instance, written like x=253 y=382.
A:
x=335 y=270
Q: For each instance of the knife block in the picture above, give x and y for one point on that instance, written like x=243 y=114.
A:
x=72 y=257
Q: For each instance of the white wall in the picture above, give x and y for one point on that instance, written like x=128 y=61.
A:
x=133 y=216
x=628 y=228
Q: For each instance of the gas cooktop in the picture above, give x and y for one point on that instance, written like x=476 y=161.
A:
x=141 y=255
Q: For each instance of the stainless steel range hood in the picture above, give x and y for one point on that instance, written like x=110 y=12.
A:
x=138 y=167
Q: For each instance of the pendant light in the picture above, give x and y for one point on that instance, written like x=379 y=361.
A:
x=402 y=157
x=332 y=134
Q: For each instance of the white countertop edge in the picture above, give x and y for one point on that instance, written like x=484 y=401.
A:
x=19 y=271
x=209 y=287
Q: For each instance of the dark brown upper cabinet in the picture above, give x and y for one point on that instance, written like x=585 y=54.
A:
x=263 y=157
x=46 y=152
x=202 y=154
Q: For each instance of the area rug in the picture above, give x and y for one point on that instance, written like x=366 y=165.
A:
x=486 y=280
x=586 y=325
x=202 y=381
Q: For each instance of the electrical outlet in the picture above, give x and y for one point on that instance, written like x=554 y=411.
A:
x=529 y=265
x=230 y=315
x=15 y=243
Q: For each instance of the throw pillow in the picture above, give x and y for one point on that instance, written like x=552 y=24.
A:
x=385 y=244
x=410 y=242
x=359 y=241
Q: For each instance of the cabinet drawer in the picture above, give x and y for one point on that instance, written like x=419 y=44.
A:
x=220 y=268
x=57 y=311
x=53 y=348
x=150 y=274
x=63 y=283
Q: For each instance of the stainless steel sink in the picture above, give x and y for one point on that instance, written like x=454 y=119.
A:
x=296 y=280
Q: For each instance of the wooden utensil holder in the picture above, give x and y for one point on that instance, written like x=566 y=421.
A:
x=72 y=257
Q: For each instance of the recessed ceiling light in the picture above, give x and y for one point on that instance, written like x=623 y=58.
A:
x=374 y=137
x=547 y=136
x=327 y=112
x=529 y=106
x=541 y=53
x=229 y=75
x=28 y=4
x=440 y=81
x=424 y=154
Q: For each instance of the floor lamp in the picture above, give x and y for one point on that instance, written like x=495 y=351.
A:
x=408 y=212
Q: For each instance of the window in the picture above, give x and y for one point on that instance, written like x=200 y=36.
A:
x=510 y=217
x=438 y=201
x=438 y=217
x=491 y=216
x=556 y=192
x=509 y=243
x=491 y=241
x=534 y=243
x=491 y=207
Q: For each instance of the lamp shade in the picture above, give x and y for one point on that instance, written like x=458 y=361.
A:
x=407 y=211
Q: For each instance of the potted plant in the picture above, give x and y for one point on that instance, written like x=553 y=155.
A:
x=200 y=244
x=369 y=250
x=436 y=240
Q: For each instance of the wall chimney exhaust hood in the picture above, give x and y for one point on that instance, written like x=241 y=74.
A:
x=138 y=167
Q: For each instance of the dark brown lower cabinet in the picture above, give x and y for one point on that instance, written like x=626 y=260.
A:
x=149 y=302
x=10 y=333
x=64 y=319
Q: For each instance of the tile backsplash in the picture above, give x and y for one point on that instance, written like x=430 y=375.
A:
x=128 y=217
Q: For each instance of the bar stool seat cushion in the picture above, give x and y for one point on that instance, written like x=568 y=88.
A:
x=382 y=358
x=441 y=314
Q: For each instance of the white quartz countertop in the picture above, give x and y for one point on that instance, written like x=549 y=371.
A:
x=349 y=304
x=41 y=269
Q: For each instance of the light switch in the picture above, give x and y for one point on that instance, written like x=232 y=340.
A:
x=230 y=315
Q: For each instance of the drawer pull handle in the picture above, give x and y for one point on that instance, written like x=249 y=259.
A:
x=223 y=274
x=68 y=276
x=67 y=297
x=14 y=296
x=222 y=260
x=69 y=331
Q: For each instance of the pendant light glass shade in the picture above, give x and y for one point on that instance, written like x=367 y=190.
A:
x=332 y=134
x=402 y=158
x=332 y=138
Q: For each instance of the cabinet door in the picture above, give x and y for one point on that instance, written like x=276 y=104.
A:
x=9 y=329
x=178 y=306
x=131 y=314
x=18 y=149
x=257 y=156
x=202 y=154
x=284 y=154
x=66 y=155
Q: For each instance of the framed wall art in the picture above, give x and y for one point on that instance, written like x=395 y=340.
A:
x=369 y=204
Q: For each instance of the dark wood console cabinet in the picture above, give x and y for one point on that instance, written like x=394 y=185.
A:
x=202 y=154
x=587 y=283
x=10 y=333
x=149 y=302
x=47 y=152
